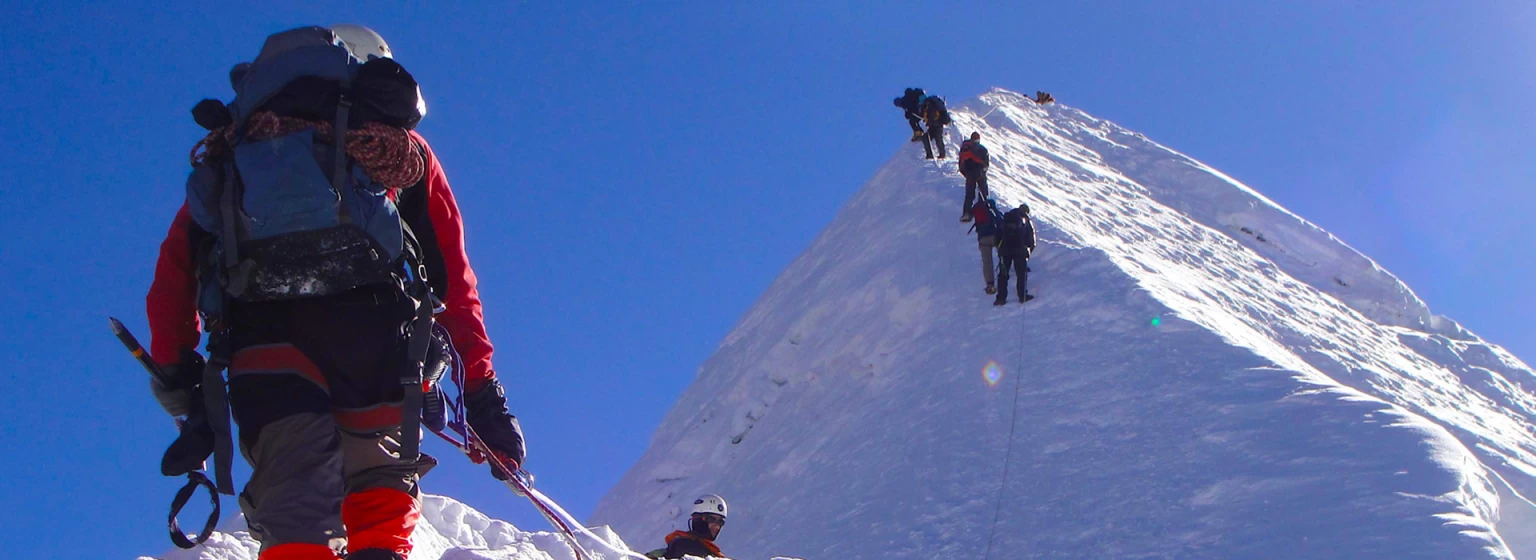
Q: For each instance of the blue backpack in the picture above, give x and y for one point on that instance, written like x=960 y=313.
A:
x=292 y=214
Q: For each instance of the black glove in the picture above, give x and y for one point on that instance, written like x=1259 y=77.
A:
x=184 y=397
x=487 y=411
x=193 y=446
x=183 y=376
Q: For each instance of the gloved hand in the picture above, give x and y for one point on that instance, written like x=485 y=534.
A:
x=487 y=411
x=184 y=376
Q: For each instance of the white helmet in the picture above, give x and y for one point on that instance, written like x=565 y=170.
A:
x=361 y=41
x=709 y=503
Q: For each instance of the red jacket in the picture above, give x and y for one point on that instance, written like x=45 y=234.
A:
x=172 y=300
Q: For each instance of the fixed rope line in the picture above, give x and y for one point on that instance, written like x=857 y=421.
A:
x=1013 y=422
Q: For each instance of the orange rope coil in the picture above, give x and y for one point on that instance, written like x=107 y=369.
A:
x=385 y=152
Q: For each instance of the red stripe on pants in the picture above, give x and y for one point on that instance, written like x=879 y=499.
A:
x=380 y=518
x=276 y=358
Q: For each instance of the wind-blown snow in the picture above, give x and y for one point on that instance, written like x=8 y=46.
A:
x=1204 y=375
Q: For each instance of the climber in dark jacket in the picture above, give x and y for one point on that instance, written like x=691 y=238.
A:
x=911 y=102
x=1017 y=241
x=935 y=115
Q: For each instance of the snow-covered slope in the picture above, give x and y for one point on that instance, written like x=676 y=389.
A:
x=449 y=530
x=1204 y=375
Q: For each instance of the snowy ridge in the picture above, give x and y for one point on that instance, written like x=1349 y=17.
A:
x=1205 y=375
x=449 y=530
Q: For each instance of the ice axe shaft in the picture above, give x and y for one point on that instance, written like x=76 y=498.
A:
x=138 y=352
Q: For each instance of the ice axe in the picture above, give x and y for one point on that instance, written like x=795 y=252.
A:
x=195 y=479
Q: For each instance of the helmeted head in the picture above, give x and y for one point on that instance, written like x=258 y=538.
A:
x=1024 y=208
x=976 y=136
x=708 y=516
x=361 y=41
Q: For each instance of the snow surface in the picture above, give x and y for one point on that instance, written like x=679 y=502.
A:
x=449 y=530
x=1204 y=375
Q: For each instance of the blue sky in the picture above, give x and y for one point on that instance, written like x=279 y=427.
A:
x=633 y=175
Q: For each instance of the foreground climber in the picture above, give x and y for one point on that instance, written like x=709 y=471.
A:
x=1016 y=242
x=293 y=249
x=704 y=526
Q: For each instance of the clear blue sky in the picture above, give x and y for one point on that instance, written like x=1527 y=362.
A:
x=634 y=174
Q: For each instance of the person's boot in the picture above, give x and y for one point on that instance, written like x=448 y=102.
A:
x=1026 y=297
x=917 y=136
x=965 y=216
x=999 y=302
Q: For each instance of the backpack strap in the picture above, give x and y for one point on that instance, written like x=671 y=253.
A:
x=215 y=394
x=417 y=345
x=216 y=403
x=411 y=380
x=339 y=173
x=236 y=274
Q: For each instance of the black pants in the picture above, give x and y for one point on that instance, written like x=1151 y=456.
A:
x=314 y=385
x=912 y=121
x=1019 y=262
x=935 y=136
x=972 y=183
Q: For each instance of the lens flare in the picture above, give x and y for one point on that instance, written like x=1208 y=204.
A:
x=1157 y=321
x=992 y=373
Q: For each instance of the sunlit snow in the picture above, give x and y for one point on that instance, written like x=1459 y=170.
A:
x=1204 y=375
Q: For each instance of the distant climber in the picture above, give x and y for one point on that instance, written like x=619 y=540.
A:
x=935 y=115
x=987 y=220
x=704 y=526
x=974 y=162
x=911 y=103
x=1016 y=242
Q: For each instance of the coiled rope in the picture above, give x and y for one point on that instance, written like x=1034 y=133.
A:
x=385 y=152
